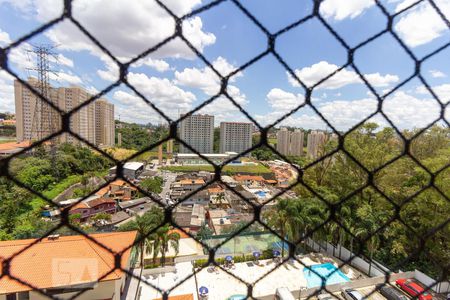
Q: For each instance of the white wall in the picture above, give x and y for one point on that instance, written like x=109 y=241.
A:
x=376 y=269
x=440 y=287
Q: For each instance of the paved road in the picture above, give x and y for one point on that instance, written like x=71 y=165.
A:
x=170 y=177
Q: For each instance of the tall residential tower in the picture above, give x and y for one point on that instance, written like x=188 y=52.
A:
x=198 y=132
x=290 y=143
x=93 y=122
x=235 y=136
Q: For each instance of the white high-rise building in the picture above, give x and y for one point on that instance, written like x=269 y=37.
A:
x=198 y=132
x=235 y=136
x=105 y=134
x=290 y=143
x=296 y=143
x=316 y=140
x=91 y=122
x=283 y=141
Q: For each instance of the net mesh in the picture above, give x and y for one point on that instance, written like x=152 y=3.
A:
x=334 y=215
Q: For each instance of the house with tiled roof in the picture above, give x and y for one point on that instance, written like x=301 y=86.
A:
x=64 y=266
x=89 y=208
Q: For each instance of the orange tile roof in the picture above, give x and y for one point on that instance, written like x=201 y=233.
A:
x=37 y=265
x=182 y=234
x=215 y=190
x=271 y=181
x=248 y=177
x=14 y=145
x=192 y=181
x=179 y=297
x=80 y=205
x=103 y=191
x=119 y=182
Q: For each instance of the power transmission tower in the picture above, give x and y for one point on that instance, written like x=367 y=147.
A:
x=44 y=120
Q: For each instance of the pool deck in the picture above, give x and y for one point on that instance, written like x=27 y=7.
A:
x=221 y=285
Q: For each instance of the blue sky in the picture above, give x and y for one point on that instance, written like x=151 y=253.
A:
x=177 y=81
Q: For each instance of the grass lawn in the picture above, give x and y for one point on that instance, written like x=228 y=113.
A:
x=37 y=203
x=257 y=169
x=6 y=140
x=123 y=154
x=272 y=141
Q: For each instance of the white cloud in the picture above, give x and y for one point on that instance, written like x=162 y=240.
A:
x=132 y=108
x=407 y=111
x=4 y=38
x=143 y=25
x=65 y=61
x=22 y=57
x=69 y=78
x=157 y=64
x=442 y=91
x=111 y=73
x=6 y=92
x=205 y=78
x=340 y=10
x=421 y=24
x=437 y=74
x=92 y=90
x=312 y=75
x=345 y=114
x=165 y=94
x=281 y=100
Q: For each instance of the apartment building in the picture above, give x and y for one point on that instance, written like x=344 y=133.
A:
x=198 y=132
x=316 y=140
x=83 y=121
x=283 y=141
x=31 y=126
x=104 y=123
x=235 y=136
x=290 y=143
x=35 y=119
x=297 y=141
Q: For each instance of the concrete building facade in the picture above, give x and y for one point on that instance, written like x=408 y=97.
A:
x=27 y=121
x=290 y=143
x=104 y=123
x=296 y=143
x=283 y=141
x=235 y=136
x=93 y=122
x=198 y=132
x=316 y=140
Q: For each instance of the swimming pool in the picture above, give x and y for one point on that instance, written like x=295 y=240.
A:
x=313 y=280
x=261 y=194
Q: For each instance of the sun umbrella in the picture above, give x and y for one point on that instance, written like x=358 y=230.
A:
x=229 y=258
x=256 y=254
x=276 y=253
x=203 y=290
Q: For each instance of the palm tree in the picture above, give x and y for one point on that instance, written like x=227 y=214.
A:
x=161 y=241
x=278 y=220
x=144 y=225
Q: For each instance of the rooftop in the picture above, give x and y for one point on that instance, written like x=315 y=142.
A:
x=37 y=263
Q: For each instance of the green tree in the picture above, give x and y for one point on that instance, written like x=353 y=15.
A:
x=204 y=232
x=160 y=241
x=153 y=185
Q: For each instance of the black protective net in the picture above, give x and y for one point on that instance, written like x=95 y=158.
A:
x=334 y=216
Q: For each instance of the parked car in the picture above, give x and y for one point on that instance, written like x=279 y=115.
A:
x=283 y=293
x=413 y=288
x=391 y=293
x=351 y=294
x=326 y=296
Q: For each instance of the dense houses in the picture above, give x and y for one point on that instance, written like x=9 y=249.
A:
x=66 y=265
